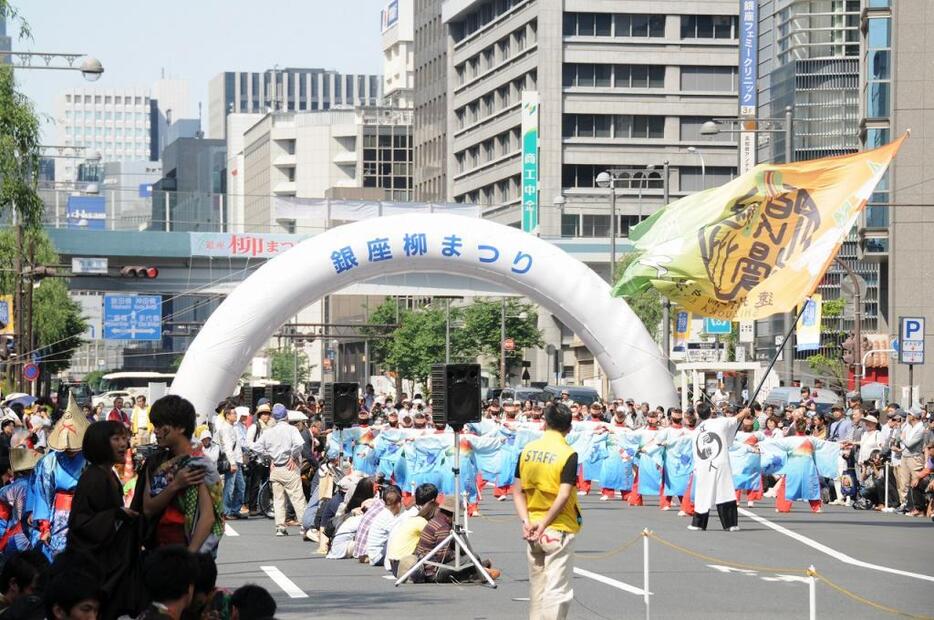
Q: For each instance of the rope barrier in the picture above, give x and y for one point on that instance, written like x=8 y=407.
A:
x=707 y=558
x=607 y=554
x=865 y=601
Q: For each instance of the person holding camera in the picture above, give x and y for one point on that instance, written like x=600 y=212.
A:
x=874 y=481
x=180 y=494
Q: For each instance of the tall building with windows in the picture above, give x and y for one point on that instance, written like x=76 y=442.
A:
x=398 y=25
x=809 y=60
x=429 y=130
x=286 y=90
x=623 y=86
x=115 y=122
x=897 y=95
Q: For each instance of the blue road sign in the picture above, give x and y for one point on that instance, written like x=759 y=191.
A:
x=911 y=340
x=132 y=317
x=30 y=372
x=717 y=326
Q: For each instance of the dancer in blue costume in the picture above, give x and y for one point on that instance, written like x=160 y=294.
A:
x=54 y=479
x=15 y=533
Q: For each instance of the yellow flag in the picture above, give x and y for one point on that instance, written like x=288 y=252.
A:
x=759 y=244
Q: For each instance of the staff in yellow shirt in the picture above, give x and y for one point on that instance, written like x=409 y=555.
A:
x=551 y=518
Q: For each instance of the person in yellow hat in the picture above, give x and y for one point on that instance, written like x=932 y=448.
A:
x=15 y=533
x=53 y=483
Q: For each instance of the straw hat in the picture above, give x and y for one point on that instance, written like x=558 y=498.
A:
x=24 y=459
x=68 y=432
x=871 y=418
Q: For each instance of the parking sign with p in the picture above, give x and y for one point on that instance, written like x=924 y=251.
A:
x=911 y=340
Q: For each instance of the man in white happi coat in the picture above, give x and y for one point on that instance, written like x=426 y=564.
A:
x=713 y=476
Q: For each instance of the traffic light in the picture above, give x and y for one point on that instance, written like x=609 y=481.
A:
x=136 y=271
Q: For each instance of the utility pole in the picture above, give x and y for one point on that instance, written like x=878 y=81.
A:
x=502 y=345
x=789 y=350
x=666 y=303
x=858 y=320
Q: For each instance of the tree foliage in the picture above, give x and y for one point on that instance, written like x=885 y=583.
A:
x=56 y=319
x=475 y=330
x=282 y=365
x=646 y=305
x=19 y=153
x=833 y=371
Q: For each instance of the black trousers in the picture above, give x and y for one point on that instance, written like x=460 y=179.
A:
x=727 y=511
x=258 y=474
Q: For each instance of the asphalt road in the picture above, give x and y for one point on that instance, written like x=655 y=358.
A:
x=884 y=558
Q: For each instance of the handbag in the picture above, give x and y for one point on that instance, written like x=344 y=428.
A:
x=223 y=464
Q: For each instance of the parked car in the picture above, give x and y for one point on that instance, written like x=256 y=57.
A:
x=783 y=396
x=108 y=398
x=579 y=394
x=522 y=394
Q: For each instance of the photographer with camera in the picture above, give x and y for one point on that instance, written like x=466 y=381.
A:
x=873 y=483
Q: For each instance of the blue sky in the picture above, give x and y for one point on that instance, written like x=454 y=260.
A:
x=194 y=40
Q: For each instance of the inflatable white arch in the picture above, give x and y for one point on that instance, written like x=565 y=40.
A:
x=435 y=243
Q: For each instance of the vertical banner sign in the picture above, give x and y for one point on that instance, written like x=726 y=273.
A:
x=748 y=74
x=530 y=161
x=808 y=328
x=7 y=321
x=682 y=330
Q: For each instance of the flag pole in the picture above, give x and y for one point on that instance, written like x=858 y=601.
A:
x=778 y=352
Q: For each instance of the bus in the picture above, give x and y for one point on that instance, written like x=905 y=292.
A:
x=133 y=381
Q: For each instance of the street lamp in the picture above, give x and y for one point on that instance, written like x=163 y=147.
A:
x=703 y=165
x=607 y=179
x=90 y=67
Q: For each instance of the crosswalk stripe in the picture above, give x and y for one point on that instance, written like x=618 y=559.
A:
x=285 y=584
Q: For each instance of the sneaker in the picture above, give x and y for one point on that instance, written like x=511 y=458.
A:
x=681 y=513
x=311 y=535
x=501 y=498
x=582 y=493
x=281 y=531
x=848 y=501
x=694 y=528
x=750 y=504
x=666 y=507
x=735 y=528
x=604 y=498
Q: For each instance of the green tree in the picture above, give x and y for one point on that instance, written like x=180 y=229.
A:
x=416 y=344
x=19 y=152
x=832 y=370
x=482 y=331
x=282 y=365
x=56 y=319
x=646 y=305
x=384 y=314
x=93 y=379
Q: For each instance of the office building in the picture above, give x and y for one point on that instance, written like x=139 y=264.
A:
x=116 y=122
x=398 y=24
x=618 y=89
x=127 y=190
x=898 y=95
x=190 y=195
x=364 y=153
x=809 y=60
x=237 y=126
x=429 y=131
x=287 y=90
x=621 y=86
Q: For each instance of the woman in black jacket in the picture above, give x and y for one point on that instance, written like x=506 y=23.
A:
x=100 y=524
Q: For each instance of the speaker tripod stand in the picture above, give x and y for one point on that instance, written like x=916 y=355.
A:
x=457 y=537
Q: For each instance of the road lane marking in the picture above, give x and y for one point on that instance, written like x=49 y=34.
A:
x=831 y=552
x=285 y=584
x=229 y=531
x=625 y=587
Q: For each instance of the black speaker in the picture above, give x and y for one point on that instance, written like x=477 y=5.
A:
x=455 y=394
x=340 y=404
x=280 y=393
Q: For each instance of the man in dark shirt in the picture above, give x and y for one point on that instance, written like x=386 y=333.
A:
x=433 y=535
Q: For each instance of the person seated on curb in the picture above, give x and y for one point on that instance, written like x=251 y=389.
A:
x=382 y=525
x=405 y=536
x=434 y=533
x=325 y=517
